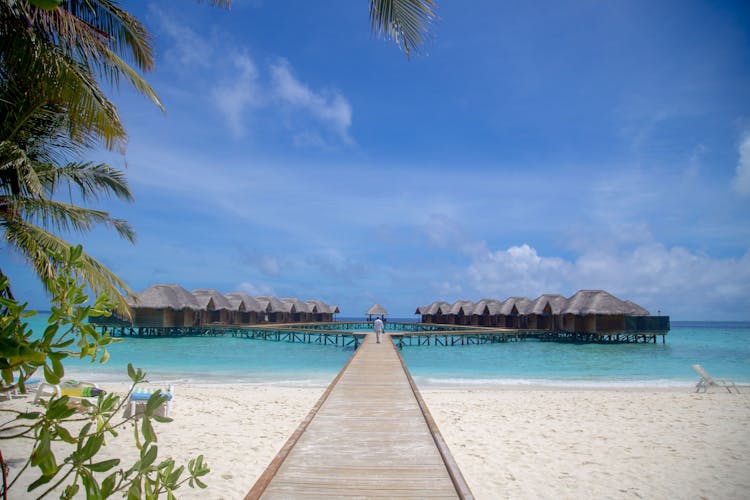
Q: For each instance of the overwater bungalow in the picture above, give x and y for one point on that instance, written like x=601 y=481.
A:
x=460 y=313
x=486 y=312
x=433 y=312
x=300 y=311
x=320 y=311
x=250 y=311
x=585 y=312
x=595 y=311
x=545 y=311
x=165 y=306
x=276 y=310
x=215 y=308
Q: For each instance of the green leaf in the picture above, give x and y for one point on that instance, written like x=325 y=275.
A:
x=65 y=435
x=50 y=375
x=39 y=481
x=49 y=333
x=29 y=416
x=92 y=446
x=70 y=491
x=108 y=485
x=57 y=367
x=103 y=466
x=148 y=458
x=155 y=401
x=148 y=431
x=134 y=492
x=92 y=487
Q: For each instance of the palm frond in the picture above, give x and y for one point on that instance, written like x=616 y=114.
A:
x=63 y=216
x=37 y=245
x=406 y=22
x=92 y=180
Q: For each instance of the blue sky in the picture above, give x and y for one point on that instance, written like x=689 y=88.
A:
x=535 y=147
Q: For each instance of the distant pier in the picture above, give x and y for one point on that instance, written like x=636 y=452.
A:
x=347 y=334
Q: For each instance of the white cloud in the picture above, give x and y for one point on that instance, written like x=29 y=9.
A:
x=236 y=94
x=519 y=270
x=333 y=110
x=741 y=182
x=320 y=119
x=190 y=49
x=674 y=280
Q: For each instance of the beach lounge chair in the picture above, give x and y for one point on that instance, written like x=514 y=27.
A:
x=707 y=381
x=140 y=396
x=74 y=389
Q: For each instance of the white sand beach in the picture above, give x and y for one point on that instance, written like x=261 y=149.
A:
x=510 y=442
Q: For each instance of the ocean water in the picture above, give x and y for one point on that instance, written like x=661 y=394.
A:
x=723 y=349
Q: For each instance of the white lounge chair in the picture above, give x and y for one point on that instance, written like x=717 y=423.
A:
x=75 y=390
x=140 y=396
x=707 y=381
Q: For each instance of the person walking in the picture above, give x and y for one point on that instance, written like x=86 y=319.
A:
x=378 y=327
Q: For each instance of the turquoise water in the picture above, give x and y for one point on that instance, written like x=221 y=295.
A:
x=722 y=348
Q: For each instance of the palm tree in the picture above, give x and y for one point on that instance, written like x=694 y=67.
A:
x=52 y=53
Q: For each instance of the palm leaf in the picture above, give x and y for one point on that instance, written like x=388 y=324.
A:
x=37 y=245
x=63 y=216
x=92 y=179
x=406 y=22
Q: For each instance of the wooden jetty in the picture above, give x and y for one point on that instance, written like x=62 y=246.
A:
x=369 y=435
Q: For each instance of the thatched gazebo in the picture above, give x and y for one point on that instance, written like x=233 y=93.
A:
x=376 y=310
x=165 y=306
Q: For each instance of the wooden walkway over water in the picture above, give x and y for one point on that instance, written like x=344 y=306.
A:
x=369 y=435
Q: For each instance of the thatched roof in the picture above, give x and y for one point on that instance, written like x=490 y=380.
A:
x=318 y=306
x=166 y=297
x=581 y=303
x=376 y=309
x=585 y=302
x=212 y=300
x=513 y=302
x=334 y=309
x=275 y=305
x=297 y=305
x=487 y=306
x=249 y=304
x=458 y=306
x=636 y=309
x=556 y=303
x=438 y=306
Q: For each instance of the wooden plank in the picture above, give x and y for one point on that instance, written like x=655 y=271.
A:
x=370 y=435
